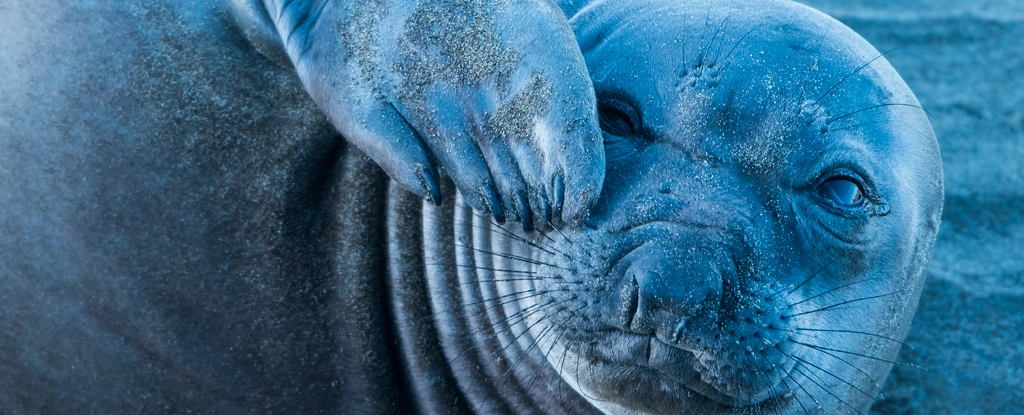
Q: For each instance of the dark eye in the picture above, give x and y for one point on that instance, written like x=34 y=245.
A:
x=617 y=120
x=843 y=192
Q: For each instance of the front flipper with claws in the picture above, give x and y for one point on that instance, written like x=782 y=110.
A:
x=494 y=94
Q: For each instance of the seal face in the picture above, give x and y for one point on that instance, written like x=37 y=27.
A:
x=772 y=193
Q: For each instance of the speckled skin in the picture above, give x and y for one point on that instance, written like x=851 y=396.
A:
x=185 y=231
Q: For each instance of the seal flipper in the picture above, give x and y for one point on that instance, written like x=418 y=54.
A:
x=353 y=63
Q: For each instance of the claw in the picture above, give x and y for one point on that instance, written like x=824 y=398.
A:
x=559 y=194
x=524 y=213
x=430 y=184
x=490 y=197
x=545 y=205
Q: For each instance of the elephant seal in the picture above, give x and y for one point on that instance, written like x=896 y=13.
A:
x=185 y=231
x=772 y=195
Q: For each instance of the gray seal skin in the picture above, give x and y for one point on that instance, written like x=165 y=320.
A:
x=185 y=231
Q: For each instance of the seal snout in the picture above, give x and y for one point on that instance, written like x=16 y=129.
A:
x=665 y=285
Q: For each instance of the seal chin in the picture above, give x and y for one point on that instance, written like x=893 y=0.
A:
x=651 y=374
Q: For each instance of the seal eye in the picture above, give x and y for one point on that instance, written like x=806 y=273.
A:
x=843 y=192
x=616 y=121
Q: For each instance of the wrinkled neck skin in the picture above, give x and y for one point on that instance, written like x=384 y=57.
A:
x=714 y=275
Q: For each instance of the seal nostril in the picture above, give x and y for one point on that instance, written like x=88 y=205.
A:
x=677 y=336
x=630 y=302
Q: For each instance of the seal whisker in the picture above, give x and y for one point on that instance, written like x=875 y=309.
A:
x=826 y=308
x=494 y=226
x=832 y=375
x=586 y=250
x=855 y=367
x=508 y=328
x=776 y=400
x=579 y=386
x=783 y=274
x=548 y=237
x=806 y=77
x=795 y=396
x=814 y=346
x=518 y=238
x=517 y=317
x=855 y=332
x=827 y=390
x=513 y=257
x=592 y=377
x=702 y=51
x=777 y=348
x=850 y=127
x=860 y=68
x=718 y=36
x=516 y=338
x=493 y=269
x=877 y=106
x=473 y=334
x=514 y=299
x=809 y=278
x=833 y=290
x=728 y=56
x=478 y=267
x=527 y=351
x=852 y=73
x=554 y=341
x=557 y=278
x=700 y=408
x=561 y=365
x=436 y=315
x=522 y=315
x=530 y=291
x=511 y=234
x=533 y=379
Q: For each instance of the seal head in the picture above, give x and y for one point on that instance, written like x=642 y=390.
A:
x=772 y=193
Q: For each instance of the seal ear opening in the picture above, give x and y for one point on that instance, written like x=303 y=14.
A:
x=252 y=20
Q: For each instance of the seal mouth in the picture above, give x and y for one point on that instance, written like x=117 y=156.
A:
x=690 y=374
x=647 y=369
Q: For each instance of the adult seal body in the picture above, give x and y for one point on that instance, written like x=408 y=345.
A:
x=175 y=242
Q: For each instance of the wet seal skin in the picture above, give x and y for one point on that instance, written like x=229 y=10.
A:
x=184 y=229
x=495 y=93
